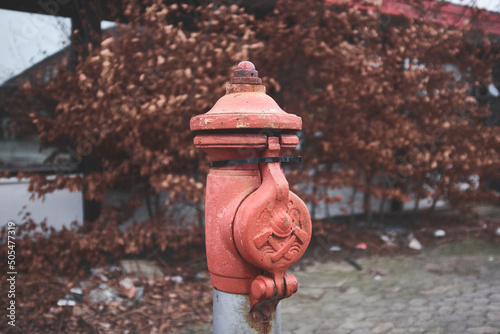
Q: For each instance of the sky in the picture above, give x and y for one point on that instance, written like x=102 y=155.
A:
x=26 y=39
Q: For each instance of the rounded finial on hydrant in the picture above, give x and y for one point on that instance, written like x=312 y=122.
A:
x=245 y=73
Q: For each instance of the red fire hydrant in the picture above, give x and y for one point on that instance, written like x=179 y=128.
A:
x=255 y=226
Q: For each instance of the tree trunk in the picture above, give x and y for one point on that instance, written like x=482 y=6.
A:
x=433 y=206
x=200 y=211
x=415 y=208
x=367 y=201
x=353 y=197
x=148 y=204
x=315 y=191
x=381 y=209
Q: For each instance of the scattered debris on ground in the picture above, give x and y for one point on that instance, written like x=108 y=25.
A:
x=413 y=243
x=112 y=301
x=335 y=240
x=143 y=296
x=439 y=233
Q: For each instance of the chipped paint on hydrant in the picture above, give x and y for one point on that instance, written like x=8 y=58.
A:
x=255 y=226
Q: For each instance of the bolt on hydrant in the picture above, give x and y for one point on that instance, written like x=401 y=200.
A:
x=255 y=226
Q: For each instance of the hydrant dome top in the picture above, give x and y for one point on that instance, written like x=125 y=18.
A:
x=245 y=106
x=247 y=110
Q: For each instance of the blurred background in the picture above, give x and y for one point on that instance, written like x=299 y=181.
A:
x=399 y=100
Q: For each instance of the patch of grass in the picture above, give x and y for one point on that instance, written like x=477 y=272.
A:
x=470 y=247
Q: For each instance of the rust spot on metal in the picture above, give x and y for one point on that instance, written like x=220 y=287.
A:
x=262 y=316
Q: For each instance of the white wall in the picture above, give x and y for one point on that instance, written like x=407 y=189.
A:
x=63 y=207
x=323 y=211
x=60 y=207
x=178 y=211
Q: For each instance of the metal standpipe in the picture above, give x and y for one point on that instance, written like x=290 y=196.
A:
x=232 y=314
x=255 y=227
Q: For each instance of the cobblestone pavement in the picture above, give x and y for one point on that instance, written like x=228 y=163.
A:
x=454 y=289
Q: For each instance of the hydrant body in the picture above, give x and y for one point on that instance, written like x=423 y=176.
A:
x=255 y=226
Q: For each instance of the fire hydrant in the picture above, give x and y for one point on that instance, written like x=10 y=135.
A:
x=255 y=226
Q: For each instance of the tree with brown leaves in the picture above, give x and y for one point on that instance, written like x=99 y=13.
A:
x=386 y=104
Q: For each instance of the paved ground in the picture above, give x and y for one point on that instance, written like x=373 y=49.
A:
x=454 y=289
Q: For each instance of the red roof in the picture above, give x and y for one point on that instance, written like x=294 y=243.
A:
x=436 y=11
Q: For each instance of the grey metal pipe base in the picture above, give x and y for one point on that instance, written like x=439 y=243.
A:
x=232 y=316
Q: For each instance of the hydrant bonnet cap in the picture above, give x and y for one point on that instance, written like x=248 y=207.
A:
x=245 y=106
x=245 y=73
